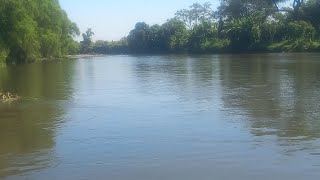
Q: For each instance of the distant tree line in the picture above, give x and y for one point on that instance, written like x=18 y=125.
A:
x=87 y=46
x=35 y=29
x=236 y=26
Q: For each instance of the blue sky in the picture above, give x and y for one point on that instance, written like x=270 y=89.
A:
x=113 y=19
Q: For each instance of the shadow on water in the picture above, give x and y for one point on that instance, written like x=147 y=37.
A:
x=28 y=127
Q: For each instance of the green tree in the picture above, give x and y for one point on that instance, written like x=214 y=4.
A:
x=175 y=35
x=311 y=13
x=34 y=29
x=119 y=47
x=243 y=33
x=196 y=14
x=139 y=38
x=86 y=43
x=236 y=9
x=101 y=47
x=202 y=36
x=157 y=42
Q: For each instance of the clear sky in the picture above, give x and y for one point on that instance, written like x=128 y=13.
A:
x=113 y=19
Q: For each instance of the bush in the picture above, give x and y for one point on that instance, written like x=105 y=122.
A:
x=300 y=29
x=3 y=55
x=297 y=45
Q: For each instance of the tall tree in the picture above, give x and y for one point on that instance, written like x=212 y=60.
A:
x=33 y=29
x=311 y=13
x=175 y=35
x=196 y=14
x=86 y=43
x=139 y=37
x=236 y=9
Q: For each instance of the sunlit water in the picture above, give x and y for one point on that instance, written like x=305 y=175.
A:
x=163 y=117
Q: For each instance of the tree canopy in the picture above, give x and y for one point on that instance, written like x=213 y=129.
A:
x=235 y=26
x=35 y=29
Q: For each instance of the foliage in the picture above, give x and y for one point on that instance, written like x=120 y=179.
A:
x=298 y=36
x=4 y=52
x=297 y=45
x=237 y=9
x=202 y=36
x=236 y=26
x=86 y=44
x=113 y=47
x=119 y=47
x=73 y=47
x=311 y=13
x=300 y=29
x=196 y=14
x=34 y=29
x=171 y=36
x=175 y=35
x=139 y=37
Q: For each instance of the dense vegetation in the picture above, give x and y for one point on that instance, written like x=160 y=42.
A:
x=35 y=29
x=236 y=26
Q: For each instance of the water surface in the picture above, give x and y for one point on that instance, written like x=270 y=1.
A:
x=163 y=117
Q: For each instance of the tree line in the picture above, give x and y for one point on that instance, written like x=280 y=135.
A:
x=236 y=26
x=37 y=29
x=34 y=29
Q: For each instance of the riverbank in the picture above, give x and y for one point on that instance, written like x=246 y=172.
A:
x=193 y=53
x=84 y=56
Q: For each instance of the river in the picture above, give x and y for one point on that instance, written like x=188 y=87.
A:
x=180 y=117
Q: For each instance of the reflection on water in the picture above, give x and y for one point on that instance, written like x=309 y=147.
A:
x=163 y=117
x=278 y=93
x=28 y=127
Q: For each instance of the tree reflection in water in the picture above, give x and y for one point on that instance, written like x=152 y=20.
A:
x=28 y=127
